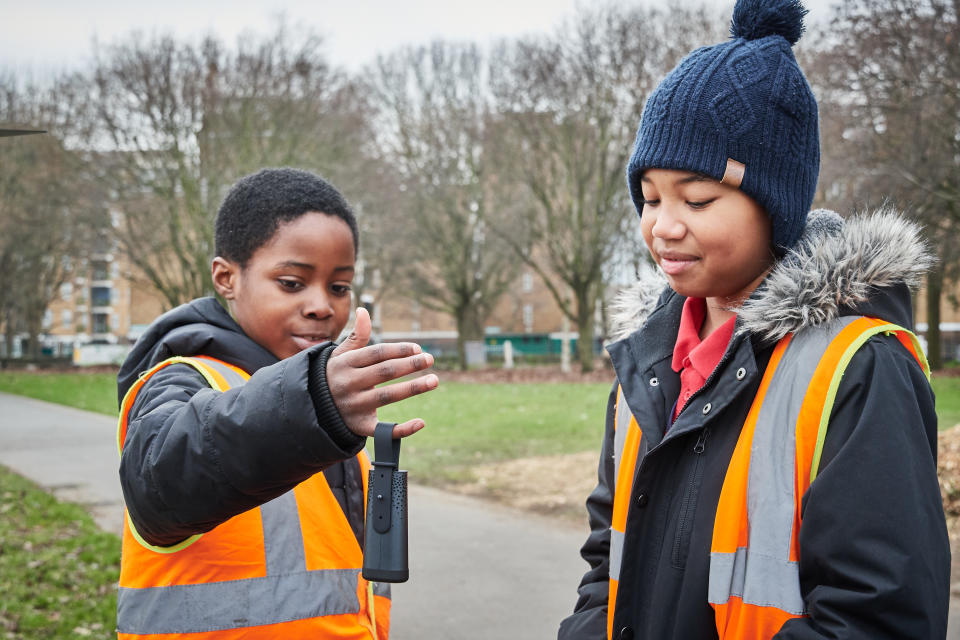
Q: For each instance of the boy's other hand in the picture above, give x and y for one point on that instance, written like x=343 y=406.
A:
x=354 y=369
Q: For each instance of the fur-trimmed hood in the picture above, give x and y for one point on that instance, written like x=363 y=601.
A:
x=836 y=265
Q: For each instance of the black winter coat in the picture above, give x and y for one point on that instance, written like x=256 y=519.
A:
x=874 y=553
x=194 y=457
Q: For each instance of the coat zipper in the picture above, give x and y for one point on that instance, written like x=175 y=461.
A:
x=689 y=504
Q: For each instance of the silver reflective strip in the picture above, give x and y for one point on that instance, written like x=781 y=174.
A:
x=381 y=589
x=616 y=553
x=776 y=581
x=282 y=535
x=762 y=573
x=233 y=378
x=214 y=606
x=622 y=426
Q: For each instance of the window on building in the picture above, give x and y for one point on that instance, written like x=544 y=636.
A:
x=47 y=319
x=527 y=282
x=100 y=296
x=101 y=270
x=66 y=318
x=66 y=290
x=101 y=322
x=528 y=317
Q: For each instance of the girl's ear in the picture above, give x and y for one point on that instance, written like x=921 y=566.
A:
x=225 y=274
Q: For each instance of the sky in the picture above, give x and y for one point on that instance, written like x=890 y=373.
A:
x=41 y=36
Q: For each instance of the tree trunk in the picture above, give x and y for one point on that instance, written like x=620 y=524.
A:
x=934 y=294
x=468 y=328
x=585 y=323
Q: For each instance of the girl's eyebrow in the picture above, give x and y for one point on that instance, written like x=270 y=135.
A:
x=694 y=177
x=697 y=177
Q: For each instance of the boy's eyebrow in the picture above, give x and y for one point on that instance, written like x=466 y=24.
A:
x=287 y=264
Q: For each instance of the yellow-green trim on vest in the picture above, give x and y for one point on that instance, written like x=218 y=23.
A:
x=887 y=329
x=200 y=366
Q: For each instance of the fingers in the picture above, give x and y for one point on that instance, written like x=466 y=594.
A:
x=365 y=403
x=392 y=369
x=360 y=335
x=408 y=428
x=382 y=396
x=376 y=353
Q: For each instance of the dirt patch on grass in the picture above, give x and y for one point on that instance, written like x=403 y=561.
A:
x=550 y=485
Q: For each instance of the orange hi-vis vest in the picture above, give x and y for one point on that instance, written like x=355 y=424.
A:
x=289 y=568
x=754 y=583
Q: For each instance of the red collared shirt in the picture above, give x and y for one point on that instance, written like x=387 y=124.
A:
x=694 y=359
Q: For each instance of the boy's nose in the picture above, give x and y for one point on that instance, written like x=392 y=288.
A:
x=318 y=306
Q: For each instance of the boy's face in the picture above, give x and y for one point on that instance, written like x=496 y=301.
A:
x=295 y=290
x=711 y=239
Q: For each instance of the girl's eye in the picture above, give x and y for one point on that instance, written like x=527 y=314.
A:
x=289 y=285
x=700 y=205
x=650 y=203
x=341 y=289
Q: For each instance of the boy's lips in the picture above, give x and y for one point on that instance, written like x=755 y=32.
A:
x=674 y=262
x=307 y=340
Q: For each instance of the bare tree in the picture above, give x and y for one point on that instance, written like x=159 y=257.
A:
x=46 y=215
x=572 y=103
x=891 y=95
x=437 y=133
x=178 y=123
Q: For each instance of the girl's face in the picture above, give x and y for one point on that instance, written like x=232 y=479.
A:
x=711 y=239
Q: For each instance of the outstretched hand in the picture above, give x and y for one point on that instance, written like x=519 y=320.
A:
x=355 y=368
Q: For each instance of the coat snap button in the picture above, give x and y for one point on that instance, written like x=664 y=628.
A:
x=741 y=373
x=654 y=381
x=706 y=408
x=642 y=500
x=626 y=633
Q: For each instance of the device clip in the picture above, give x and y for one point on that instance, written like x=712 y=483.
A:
x=386 y=460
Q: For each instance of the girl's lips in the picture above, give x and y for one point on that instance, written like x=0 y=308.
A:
x=676 y=265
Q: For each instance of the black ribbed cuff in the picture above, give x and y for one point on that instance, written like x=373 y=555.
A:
x=328 y=416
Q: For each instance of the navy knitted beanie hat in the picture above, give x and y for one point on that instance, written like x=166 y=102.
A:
x=742 y=112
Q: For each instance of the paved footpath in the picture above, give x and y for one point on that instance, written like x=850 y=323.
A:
x=477 y=571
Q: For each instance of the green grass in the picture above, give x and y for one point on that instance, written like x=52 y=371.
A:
x=90 y=391
x=948 y=400
x=58 y=572
x=470 y=424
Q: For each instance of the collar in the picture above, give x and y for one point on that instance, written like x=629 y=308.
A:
x=690 y=351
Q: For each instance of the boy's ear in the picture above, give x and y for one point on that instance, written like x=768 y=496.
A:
x=224 y=273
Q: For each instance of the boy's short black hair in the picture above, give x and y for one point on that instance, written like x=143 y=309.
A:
x=258 y=203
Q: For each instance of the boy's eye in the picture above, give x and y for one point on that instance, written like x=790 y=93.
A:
x=650 y=203
x=289 y=285
x=341 y=289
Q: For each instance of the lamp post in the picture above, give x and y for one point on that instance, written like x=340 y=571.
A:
x=13 y=130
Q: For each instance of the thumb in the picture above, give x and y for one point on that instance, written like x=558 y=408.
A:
x=360 y=335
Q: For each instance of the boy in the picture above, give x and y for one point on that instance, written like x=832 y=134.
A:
x=769 y=463
x=246 y=497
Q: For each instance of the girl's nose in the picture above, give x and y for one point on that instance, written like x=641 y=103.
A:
x=668 y=225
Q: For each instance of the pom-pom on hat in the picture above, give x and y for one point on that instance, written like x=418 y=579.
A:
x=742 y=112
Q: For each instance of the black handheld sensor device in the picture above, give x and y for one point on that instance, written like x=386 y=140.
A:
x=385 y=529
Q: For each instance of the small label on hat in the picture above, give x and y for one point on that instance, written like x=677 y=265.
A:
x=733 y=174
